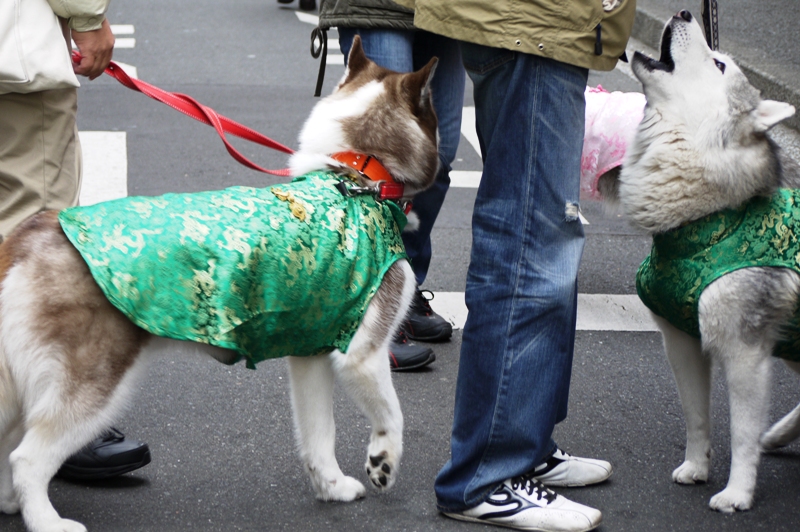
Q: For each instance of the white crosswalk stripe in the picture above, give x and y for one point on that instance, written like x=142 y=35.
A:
x=105 y=166
x=596 y=312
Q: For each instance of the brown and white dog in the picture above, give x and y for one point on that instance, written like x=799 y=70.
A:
x=69 y=360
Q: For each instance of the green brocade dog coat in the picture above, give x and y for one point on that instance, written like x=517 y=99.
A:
x=684 y=261
x=266 y=272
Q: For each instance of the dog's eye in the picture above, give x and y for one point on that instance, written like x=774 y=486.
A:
x=720 y=65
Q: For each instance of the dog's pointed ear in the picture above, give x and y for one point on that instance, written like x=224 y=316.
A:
x=418 y=83
x=357 y=60
x=769 y=113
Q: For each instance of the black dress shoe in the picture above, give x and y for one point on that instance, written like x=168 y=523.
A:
x=108 y=456
x=308 y=5
x=404 y=355
x=423 y=324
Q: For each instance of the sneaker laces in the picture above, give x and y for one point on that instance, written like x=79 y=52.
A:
x=422 y=303
x=112 y=435
x=401 y=337
x=530 y=485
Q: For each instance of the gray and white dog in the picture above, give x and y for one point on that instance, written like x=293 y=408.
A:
x=702 y=155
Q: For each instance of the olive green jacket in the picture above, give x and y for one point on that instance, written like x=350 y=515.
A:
x=368 y=14
x=577 y=32
x=83 y=15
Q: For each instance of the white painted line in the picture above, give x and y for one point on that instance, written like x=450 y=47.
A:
x=129 y=69
x=607 y=312
x=307 y=18
x=105 y=166
x=335 y=59
x=465 y=179
x=122 y=29
x=468 y=128
x=596 y=312
x=125 y=42
x=333 y=44
x=450 y=306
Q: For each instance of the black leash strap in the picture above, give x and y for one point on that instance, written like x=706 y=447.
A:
x=710 y=14
x=322 y=49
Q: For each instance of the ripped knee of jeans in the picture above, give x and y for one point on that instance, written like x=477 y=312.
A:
x=572 y=211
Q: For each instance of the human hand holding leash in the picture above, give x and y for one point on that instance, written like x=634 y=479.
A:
x=96 y=48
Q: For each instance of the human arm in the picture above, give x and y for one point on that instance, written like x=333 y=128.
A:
x=91 y=32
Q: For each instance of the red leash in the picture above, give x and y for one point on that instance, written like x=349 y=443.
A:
x=191 y=107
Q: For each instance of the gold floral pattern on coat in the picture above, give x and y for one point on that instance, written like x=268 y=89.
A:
x=683 y=262
x=286 y=270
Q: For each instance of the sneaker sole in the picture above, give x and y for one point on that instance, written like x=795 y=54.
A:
x=418 y=365
x=574 y=484
x=432 y=339
x=461 y=517
x=80 y=474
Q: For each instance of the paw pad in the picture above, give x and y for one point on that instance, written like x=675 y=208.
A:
x=379 y=471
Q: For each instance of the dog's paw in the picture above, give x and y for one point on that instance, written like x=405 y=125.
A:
x=341 y=489
x=61 y=525
x=382 y=471
x=690 y=473
x=731 y=500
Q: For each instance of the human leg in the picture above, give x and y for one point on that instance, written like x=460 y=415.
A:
x=39 y=154
x=40 y=168
x=390 y=49
x=516 y=353
x=448 y=100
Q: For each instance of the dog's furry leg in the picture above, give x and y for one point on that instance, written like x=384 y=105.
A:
x=787 y=429
x=312 y=403
x=692 y=371
x=748 y=372
x=34 y=463
x=365 y=374
x=742 y=338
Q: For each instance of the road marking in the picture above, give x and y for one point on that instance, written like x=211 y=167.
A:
x=465 y=178
x=105 y=166
x=333 y=44
x=122 y=29
x=596 y=312
x=308 y=18
x=468 y=128
x=124 y=42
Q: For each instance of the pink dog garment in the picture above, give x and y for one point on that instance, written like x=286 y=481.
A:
x=611 y=121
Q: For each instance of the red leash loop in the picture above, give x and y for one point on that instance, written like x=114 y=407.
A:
x=191 y=107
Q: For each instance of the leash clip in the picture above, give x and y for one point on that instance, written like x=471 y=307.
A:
x=348 y=189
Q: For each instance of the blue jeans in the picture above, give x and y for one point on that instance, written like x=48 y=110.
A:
x=527 y=241
x=406 y=51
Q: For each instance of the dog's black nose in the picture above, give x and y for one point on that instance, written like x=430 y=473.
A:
x=685 y=15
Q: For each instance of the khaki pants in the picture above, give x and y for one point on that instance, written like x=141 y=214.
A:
x=40 y=155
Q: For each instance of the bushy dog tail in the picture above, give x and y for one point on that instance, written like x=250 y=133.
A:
x=787 y=429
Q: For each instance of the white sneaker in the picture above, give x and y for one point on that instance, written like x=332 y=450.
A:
x=526 y=504
x=564 y=470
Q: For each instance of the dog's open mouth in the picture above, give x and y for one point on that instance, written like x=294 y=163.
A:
x=664 y=62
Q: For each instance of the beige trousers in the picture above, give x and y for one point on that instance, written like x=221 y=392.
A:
x=40 y=155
